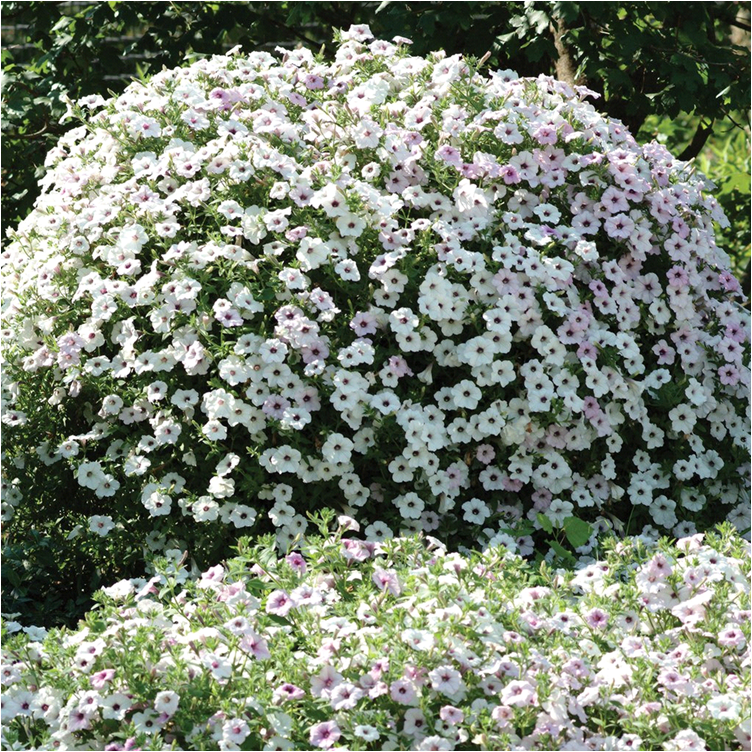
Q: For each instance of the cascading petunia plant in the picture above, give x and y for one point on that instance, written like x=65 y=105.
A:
x=433 y=298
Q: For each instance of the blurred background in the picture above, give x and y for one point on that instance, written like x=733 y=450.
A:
x=678 y=72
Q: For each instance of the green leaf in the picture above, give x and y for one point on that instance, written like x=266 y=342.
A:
x=561 y=551
x=540 y=20
x=12 y=576
x=278 y=620
x=545 y=523
x=164 y=591
x=578 y=531
x=256 y=586
x=317 y=715
x=505 y=38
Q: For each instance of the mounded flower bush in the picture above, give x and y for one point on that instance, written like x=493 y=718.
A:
x=433 y=298
x=356 y=645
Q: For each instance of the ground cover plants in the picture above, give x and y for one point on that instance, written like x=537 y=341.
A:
x=350 y=644
x=462 y=309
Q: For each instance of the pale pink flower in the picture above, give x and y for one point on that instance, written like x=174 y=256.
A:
x=596 y=618
x=446 y=680
x=345 y=696
x=279 y=603
x=325 y=735
x=386 y=579
x=403 y=692
x=519 y=693
x=256 y=646
x=78 y=720
x=731 y=637
x=325 y=681
x=102 y=678
x=451 y=715
x=502 y=714
x=288 y=692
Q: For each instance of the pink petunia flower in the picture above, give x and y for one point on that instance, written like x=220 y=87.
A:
x=325 y=681
x=256 y=646
x=279 y=603
x=325 y=735
x=101 y=678
x=403 y=692
x=451 y=715
x=519 y=693
x=596 y=618
x=386 y=579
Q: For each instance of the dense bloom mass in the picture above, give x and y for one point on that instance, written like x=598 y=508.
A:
x=439 y=300
x=484 y=652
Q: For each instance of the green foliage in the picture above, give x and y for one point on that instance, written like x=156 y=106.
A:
x=49 y=574
x=577 y=531
x=727 y=159
x=661 y=58
x=31 y=566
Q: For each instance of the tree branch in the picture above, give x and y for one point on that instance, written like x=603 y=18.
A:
x=566 y=68
x=740 y=28
x=698 y=141
x=30 y=136
x=729 y=117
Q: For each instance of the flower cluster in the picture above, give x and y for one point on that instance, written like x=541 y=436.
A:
x=400 y=645
x=444 y=301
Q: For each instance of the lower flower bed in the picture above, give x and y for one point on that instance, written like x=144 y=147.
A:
x=399 y=645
